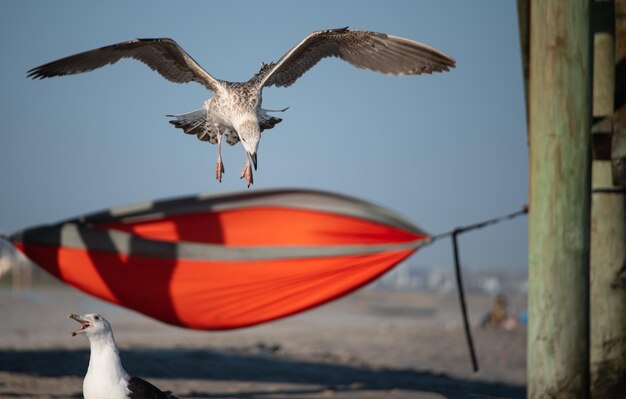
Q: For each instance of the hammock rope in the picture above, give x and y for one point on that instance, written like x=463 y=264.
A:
x=453 y=234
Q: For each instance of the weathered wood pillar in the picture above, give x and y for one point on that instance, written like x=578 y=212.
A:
x=608 y=221
x=560 y=165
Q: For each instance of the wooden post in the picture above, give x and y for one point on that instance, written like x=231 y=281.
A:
x=608 y=225
x=618 y=149
x=560 y=165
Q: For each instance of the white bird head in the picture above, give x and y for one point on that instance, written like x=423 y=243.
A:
x=250 y=134
x=91 y=325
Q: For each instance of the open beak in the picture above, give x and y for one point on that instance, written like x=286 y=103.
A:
x=253 y=156
x=84 y=324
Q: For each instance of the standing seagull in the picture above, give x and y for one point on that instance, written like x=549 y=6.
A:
x=106 y=378
x=235 y=110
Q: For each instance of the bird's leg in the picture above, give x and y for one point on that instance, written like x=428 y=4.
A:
x=247 y=171
x=219 y=168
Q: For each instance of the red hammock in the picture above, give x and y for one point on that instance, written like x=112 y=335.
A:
x=229 y=261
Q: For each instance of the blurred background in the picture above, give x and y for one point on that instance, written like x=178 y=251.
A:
x=444 y=150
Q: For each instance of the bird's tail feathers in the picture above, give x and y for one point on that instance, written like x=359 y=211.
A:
x=267 y=121
x=274 y=110
x=195 y=122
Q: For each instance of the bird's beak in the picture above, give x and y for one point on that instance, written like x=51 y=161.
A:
x=253 y=156
x=84 y=324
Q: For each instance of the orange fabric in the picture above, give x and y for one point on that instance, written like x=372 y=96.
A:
x=218 y=294
x=265 y=226
x=208 y=294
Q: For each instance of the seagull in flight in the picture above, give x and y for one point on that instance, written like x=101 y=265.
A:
x=234 y=113
x=106 y=378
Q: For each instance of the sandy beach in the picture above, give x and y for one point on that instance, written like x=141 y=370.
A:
x=372 y=344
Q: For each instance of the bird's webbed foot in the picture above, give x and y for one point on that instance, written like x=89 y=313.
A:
x=247 y=173
x=219 y=169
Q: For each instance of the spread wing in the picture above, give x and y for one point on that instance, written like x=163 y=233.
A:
x=366 y=50
x=162 y=55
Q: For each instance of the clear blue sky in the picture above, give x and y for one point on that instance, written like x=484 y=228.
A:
x=444 y=150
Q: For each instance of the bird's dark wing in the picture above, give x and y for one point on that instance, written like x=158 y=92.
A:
x=141 y=389
x=366 y=50
x=162 y=55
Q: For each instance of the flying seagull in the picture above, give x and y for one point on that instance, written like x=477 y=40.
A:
x=235 y=110
x=106 y=378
